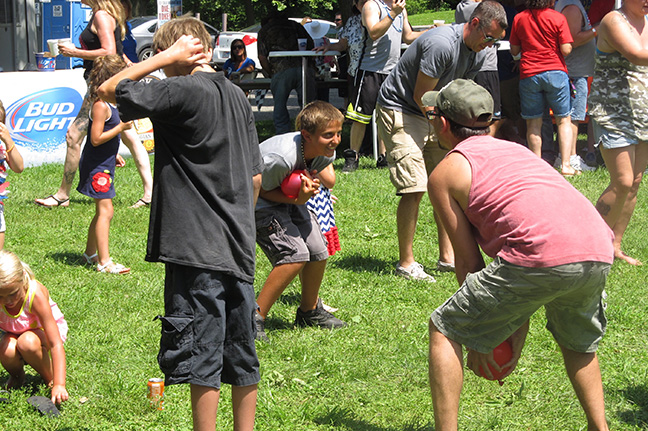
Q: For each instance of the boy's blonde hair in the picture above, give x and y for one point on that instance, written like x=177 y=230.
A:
x=3 y=114
x=103 y=69
x=13 y=270
x=317 y=115
x=114 y=9
x=173 y=30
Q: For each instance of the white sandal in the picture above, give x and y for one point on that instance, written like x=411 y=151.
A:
x=112 y=268
x=90 y=260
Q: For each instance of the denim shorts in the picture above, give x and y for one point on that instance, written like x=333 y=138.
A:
x=611 y=139
x=551 y=87
x=289 y=234
x=579 y=103
x=208 y=329
x=494 y=302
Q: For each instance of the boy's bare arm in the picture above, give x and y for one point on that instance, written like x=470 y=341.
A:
x=256 y=183
x=186 y=51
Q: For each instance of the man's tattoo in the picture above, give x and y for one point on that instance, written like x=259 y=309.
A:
x=603 y=208
x=68 y=176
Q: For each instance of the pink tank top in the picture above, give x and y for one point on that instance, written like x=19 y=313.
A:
x=525 y=212
x=26 y=320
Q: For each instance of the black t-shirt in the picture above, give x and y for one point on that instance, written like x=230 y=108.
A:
x=206 y=153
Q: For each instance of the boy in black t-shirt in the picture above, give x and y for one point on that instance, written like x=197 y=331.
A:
x=206 y=181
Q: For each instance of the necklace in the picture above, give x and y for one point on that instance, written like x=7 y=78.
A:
x=304 y=157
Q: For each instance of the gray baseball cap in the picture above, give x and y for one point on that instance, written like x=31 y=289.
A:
x=464 y=102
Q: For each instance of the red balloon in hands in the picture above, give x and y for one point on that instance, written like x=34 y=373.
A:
x=291 y=185
x=502 y=354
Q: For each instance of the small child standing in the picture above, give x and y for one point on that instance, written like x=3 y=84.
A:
x=97 y=165
x=34 y=328
x=287 y=232
x=9 y=156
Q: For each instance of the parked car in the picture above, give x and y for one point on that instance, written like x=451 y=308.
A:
x=143 y=29
x=249 y=37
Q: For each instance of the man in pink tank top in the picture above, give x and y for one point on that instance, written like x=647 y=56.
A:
x=550 y=248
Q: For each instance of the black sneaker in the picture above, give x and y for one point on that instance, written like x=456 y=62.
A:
x=381 y=162
x=350 y=160
x=259 y=323
x=318 y=317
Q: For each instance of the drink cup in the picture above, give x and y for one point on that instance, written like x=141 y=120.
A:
x=302 y=44
x=53 y=46
x=438 y=22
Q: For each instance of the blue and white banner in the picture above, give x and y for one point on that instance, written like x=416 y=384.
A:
x=40 y=107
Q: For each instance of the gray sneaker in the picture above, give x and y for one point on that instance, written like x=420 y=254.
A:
x=259 y=323
x=579 y=164
x=445 y=266
x=414 y=272
x=318 y=317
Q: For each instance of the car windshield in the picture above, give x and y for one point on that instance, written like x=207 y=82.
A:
x=140 y=20
x=251 y=29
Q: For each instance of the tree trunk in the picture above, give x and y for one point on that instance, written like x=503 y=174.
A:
x=139 y=7
x=249 y=13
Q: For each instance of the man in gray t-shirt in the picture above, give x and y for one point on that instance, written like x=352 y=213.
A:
x=487 y=77
x=432 y=61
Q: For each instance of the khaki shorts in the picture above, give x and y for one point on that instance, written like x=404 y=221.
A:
x=494 y=302
x=412 y=149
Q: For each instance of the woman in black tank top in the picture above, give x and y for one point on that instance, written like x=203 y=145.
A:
x=102 y=36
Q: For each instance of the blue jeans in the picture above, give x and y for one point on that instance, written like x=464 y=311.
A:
x=551 y=87
x=579 y=103
x=281 y=85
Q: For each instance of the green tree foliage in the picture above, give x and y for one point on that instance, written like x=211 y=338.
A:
x=241 y=13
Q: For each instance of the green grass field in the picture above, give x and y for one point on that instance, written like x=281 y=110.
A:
x=371 y=376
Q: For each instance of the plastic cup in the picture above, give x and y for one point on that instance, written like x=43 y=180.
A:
x=53 y=46
x=302 y=44
x=438 y=22
x=66 y=41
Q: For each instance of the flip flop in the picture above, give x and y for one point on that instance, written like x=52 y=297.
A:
x=44 y=405
x=140 y=203
x=59 y=202
x=90 y=260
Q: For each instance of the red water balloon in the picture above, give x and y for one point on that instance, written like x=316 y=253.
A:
x=502 y=354
x=291 y=185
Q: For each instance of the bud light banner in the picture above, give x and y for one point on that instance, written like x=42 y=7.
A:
x=39 y=110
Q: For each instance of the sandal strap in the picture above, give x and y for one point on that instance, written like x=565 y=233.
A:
x=89 y=259
x=111 y=267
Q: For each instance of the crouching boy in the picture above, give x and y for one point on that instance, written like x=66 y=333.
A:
x=207 y=174
x=287 y=232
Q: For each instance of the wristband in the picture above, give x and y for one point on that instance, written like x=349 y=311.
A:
x=390 y=17
x=594 y=31
x=10 y=148
x=517 y=57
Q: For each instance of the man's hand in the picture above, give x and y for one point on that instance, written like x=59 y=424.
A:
x=397 y=7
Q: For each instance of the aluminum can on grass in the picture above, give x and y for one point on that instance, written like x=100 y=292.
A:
x=156 y=393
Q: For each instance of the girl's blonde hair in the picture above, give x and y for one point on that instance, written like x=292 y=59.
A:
x=13 y=270
x=104 y=68
x=114 y=9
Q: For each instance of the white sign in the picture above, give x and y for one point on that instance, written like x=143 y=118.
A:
x=40 y=107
